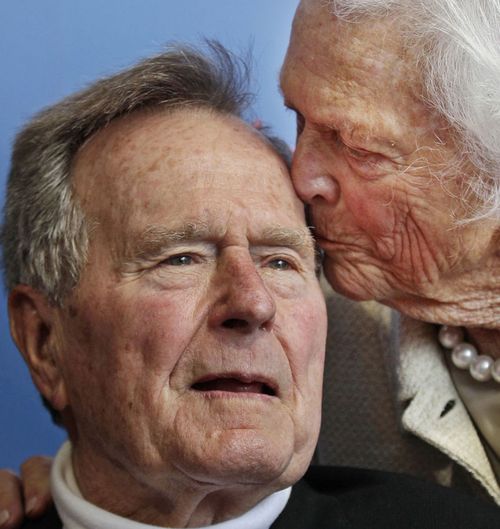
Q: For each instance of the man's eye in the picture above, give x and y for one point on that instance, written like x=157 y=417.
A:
x=279 y=264
x=179 y=260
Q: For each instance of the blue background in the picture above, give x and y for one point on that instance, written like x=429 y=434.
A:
x=50 y=48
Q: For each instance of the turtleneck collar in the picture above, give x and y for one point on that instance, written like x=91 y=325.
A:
x=77 y=513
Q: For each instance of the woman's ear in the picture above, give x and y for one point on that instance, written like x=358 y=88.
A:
x=32 y=325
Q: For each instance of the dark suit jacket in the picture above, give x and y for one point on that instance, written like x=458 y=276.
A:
x=347 y=498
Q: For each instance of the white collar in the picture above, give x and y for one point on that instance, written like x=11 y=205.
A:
x=77 y=513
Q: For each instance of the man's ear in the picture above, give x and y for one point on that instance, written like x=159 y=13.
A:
x=32 y=325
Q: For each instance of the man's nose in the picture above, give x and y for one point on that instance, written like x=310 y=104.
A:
x=312 y=170
x=245 y=303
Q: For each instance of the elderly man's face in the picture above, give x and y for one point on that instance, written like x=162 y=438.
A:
x=368 y=152
x=192 y=348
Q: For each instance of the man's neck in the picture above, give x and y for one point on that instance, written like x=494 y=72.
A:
x=160 y=503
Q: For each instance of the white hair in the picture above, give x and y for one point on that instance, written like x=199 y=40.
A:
x=457 y=47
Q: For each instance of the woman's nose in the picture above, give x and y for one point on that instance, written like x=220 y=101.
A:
x=311 y=171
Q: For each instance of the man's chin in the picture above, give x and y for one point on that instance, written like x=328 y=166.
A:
x=246 y=460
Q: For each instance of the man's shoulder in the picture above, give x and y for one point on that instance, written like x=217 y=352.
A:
x=350 y=498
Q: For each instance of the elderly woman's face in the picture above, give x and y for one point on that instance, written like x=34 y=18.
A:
x=368 y=153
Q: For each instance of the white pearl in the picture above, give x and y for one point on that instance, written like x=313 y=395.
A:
x=463 y=355
x=480 y=369
x=495 y=371
x=450 y=337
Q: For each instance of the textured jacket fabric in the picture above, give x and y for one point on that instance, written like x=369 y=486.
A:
x=343 y=498
x=346 y=498
x=390 y=404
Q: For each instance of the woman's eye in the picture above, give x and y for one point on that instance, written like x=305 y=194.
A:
x=368 y=164
x=279 y=264
x=179 y=260
x=300 y=123
x=358 y=154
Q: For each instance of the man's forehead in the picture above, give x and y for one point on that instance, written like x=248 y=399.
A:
x=132 y=139
x=169 y=145
x=149 y=195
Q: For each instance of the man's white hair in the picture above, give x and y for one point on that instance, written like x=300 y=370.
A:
x=45 y=234
x=457 y=48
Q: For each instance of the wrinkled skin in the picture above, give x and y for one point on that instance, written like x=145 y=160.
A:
x=368 y=152
x=200 y=265
x=27 y=494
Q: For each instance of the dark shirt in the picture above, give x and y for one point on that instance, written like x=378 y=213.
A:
x=348 y=498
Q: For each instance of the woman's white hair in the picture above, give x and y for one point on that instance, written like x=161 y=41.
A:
x=457 y=47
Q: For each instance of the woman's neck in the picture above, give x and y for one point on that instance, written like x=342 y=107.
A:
x=486 y=341
x=471 y=300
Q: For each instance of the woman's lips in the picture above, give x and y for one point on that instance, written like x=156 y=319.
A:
x=332 y=245
x=323 y=242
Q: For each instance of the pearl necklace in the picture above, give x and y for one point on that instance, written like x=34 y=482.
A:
x=465 y=356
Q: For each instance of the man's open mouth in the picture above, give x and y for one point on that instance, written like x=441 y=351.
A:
x=234 y=385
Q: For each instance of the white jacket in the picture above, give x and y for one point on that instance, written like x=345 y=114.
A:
x=390 y=403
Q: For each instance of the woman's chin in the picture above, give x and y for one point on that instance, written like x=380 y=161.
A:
x=345 y=285
x=352 y=283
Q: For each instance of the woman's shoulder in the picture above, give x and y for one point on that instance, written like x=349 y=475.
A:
x=361 y=498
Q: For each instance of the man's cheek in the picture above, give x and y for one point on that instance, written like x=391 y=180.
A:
x=309 y=335
x=156 y=333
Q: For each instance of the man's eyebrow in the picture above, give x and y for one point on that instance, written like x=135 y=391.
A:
x=155 y=238
x=150 y=243
x=297 y=239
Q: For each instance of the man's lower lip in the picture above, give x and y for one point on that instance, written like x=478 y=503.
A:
x=220 y=394
x=234 y=385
